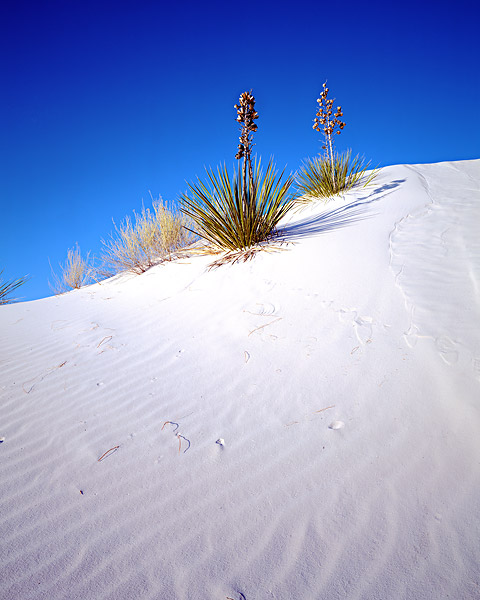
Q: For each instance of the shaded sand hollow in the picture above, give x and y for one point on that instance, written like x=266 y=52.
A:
x=305 y=425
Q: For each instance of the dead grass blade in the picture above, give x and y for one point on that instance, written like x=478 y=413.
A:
x=266 y=325
x=108 y=452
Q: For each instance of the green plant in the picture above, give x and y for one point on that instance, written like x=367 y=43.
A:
x=315 y=179
x=236 y=213
x=8 y=287
x=153 y=237
x=327 y=175
x=75 y=272
x=233 y=215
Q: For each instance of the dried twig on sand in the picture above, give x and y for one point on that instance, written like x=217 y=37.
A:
x=107 y=453
x=180 y=442
x=105 y=339
x=40 y=378
x=266 y=325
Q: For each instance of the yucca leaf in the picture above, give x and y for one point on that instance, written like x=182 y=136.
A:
x=8 y=287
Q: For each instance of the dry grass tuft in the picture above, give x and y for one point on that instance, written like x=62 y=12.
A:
x=152 y=237
x=74 y=273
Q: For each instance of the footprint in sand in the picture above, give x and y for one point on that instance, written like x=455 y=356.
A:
x=447 y=350
x=363 y=329
x=362 y=325
x=263 y=309
x=336 y=425
x=411 y=336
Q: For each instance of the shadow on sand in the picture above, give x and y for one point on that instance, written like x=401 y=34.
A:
x=343 y=216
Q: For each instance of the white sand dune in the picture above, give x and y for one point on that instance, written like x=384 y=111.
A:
x=305 y=425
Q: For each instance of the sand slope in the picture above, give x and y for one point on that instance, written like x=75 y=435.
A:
x=341 y=373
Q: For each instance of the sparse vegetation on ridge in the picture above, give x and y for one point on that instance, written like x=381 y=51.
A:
x=327 y=175
x=236 y=213
x=8 y=287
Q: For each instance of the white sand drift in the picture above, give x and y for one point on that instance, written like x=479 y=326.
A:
x=305 y=425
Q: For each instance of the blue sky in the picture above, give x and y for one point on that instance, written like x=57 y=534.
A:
x=103 y=102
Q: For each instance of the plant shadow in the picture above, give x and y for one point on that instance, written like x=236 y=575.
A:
x=343 y=216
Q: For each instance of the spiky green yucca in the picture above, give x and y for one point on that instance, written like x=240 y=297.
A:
x=315 y=178
x=237 y=213
x=8 y=287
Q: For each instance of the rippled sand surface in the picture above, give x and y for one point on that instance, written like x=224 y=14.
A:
x=304 y=425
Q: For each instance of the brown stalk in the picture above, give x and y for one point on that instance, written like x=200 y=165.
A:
x=246 y=116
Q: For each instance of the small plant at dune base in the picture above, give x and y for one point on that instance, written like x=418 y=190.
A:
x=237 y=213
x=153 y=237
x=8 y=287
x=75 y=272
x=327 y=175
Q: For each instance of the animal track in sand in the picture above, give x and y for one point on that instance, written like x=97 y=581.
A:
x=362 y=325
x=363 y=329
x=411 y=336
x=447 y=350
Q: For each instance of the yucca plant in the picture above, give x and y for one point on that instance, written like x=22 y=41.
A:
x=236 y=213
x=327 y=175
x=8 y=287
x=318 y=178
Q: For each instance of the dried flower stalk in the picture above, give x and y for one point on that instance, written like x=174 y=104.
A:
x=246 y=115
x=328 y=125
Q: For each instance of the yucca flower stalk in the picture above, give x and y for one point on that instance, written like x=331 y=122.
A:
x=330 y=173
x=246 y=115
x=329 y=125
x=237 y=213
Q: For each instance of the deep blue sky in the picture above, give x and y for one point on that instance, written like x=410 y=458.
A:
x=102 y=102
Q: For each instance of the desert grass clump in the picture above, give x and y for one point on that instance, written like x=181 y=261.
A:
x=8 y=287
x=237 y=212
x=332 y=173
x=74 y=273
x=152 y=237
